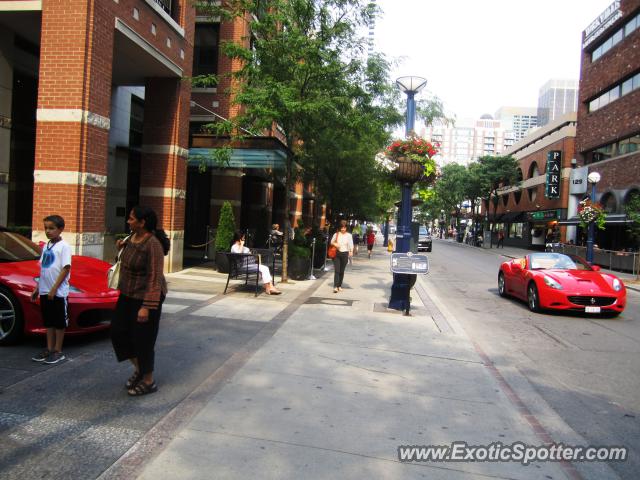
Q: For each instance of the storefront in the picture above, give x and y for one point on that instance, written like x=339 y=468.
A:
x=544 y=227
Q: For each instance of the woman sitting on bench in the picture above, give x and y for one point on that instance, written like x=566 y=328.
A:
x=238 y=247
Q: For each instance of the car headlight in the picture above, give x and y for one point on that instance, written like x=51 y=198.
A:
x=617 y=285
x=550 y=282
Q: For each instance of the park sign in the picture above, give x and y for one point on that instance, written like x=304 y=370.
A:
x=409 y=263
x=554 y=167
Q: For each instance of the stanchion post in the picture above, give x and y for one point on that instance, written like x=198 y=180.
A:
x=206 y=242
x=313 y=256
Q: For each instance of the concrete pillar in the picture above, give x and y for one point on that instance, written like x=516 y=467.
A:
x=73 y=121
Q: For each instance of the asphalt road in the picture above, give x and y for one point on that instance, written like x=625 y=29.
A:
x=584 y=368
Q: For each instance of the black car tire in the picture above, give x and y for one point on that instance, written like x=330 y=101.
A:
x=502 y=285
x=11 y=321
x=533 y=297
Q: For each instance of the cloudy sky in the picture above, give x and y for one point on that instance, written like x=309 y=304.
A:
x=479 y=55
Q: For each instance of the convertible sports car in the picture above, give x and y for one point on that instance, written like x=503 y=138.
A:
x=561 y=282
x=91 y=302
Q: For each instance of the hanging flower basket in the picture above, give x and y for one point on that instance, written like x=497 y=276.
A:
x=589 y=212
x=413 y=159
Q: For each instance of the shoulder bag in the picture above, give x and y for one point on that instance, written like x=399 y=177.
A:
x=332 y=251
x=113 y=274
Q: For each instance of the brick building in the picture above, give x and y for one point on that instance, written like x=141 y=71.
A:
x=608 y=133
x=253 y=181
x=529 y=213
x=94 y=115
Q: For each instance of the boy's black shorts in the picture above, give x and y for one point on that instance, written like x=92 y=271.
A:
x=370 y=247
x=54 y=312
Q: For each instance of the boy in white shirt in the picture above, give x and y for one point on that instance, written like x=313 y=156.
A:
x=53 y=289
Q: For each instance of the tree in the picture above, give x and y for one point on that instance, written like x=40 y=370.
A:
x=495 y=172
x=304 y=71
x=632 y=209
x=450 y=189
x=226 y=227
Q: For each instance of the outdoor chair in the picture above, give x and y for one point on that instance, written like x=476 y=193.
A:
x=245 y=266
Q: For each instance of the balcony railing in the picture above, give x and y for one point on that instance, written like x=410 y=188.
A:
x=165 y=5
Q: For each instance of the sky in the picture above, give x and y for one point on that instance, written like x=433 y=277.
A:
x=479 y=55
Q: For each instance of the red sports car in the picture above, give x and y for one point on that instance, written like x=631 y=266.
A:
x=561 y=282
x=91 y=302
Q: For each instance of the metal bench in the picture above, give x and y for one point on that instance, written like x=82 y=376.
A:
x=245 y=266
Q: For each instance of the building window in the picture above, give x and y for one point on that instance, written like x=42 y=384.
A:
x=609 y=202
x=533 y=193
x=534 y=171
x=614 y=149
x=205 y=50
x=616 y=38
x=515 y=230
x=619 y=90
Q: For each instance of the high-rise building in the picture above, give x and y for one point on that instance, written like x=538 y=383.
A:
x=556 y=98
x=469 y=139
x=518 y=119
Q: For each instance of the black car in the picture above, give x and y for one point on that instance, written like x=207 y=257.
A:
x=424 y=239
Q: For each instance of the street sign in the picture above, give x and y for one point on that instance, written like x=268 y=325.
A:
x=554 y=165
x=409 y=263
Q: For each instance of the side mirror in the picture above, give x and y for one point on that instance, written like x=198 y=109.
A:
x=595 y=268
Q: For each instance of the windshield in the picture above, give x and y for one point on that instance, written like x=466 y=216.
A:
x=423 y=231
x=16 y=248
x=543 y=261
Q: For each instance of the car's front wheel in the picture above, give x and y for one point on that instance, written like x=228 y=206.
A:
x=11 y=323
x=533 y=298
x=502 y=287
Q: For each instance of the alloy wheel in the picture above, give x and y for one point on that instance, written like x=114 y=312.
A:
x=7 y=316
x=532 y=297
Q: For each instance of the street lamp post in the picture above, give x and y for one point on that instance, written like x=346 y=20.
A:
x=593 y=179
x=399 y=300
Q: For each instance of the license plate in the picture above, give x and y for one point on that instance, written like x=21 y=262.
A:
x=592 y=309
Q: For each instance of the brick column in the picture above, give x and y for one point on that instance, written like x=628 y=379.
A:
x=73 y=121
x=163 y=179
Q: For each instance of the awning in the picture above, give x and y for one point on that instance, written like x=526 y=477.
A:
x=240 y=158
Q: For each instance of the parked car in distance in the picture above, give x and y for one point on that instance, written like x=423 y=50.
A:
x=561 y=282
x=91 y=301
x=424 y=239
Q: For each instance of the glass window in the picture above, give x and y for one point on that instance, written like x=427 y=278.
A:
x=606 y=46
x=636 y=81
x=630 y=26
x=515 y=231
x=617 y=37
x=594 y=105
x=604 y=99
x=597 y=53
x=627 y=86
x=205 y=49
x=614 y=94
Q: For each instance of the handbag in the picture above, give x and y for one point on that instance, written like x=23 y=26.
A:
x=332 y=251
x=113 y=274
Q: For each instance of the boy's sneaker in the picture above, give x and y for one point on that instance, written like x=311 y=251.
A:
x=41 y=357
x=54 y=357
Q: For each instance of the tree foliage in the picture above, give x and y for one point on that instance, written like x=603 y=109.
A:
x=226 y=227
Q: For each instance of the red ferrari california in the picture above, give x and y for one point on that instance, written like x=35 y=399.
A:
x=91 y=302
x=561 y=282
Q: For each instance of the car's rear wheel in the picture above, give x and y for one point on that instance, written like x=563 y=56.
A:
x=502 y=287
x=11 y=322
x=533 y=298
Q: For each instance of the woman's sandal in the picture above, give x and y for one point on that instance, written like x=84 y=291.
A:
x=133 y=380
x=273 y=292
x=142 y=388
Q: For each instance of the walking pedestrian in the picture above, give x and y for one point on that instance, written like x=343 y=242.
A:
x=53 y=289
x=500 y=239
x=343 y=241
x=371 y=240
x=143 y=288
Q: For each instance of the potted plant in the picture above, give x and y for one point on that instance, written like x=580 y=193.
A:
x=299 y=254
x=411 y=160
x=224 y=236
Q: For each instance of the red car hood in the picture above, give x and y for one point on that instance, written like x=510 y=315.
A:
x=583 y=281
x=87 y=274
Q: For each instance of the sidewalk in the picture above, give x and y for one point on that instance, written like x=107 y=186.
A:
x=335 y=384
x=515 y=252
